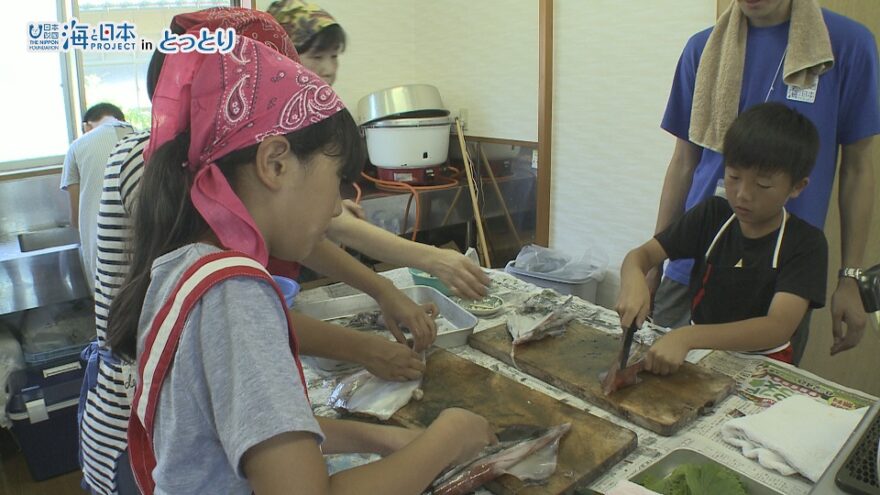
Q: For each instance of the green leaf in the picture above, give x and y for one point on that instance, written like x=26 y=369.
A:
x=698 y=479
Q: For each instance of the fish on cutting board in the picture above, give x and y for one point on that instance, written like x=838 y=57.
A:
x=528 y=453
x=620 y=375
x=539 y=317
x=365 y=393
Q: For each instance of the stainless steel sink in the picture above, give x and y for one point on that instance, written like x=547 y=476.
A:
x=48 y=238
x=43 y=278
x=40 y=267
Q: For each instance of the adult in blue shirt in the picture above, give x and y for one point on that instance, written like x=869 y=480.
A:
x=845 y=108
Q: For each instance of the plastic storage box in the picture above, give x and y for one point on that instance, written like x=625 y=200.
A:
x=42 y=407
x=584 y=288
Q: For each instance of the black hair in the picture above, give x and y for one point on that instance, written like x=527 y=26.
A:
x=329 y=38
x=167 y=220
x=101 y=110
x=156 y=62
x=772 y=137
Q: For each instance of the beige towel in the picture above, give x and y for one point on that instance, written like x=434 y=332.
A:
x=719 y=76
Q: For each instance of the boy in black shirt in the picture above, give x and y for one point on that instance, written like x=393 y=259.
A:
x=757 y=268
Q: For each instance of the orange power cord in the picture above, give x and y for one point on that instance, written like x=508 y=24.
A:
x=394 y=186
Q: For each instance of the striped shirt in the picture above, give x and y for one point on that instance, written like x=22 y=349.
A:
x=107 y=409
x=85 y=165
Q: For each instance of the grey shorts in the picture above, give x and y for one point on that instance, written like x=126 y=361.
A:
x=672 y=304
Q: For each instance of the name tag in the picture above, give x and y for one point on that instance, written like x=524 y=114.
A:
x=720 y=190
x=806 y=95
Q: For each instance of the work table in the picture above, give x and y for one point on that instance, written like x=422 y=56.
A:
x=760 y=382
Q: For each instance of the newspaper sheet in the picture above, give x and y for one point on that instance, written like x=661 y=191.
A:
x=761 y=382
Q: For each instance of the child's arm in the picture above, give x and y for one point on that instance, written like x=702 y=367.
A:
x=293 y=460
x=634 y=301
x=755 y=334
x=461 y=275
x=399 y=310
x=382 y=357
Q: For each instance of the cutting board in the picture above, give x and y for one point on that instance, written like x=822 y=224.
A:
x=573 y=362
x=589 y=449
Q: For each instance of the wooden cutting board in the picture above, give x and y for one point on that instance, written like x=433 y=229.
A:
x=573 y=362
x=589 y=449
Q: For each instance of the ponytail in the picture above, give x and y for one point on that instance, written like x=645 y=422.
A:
x=164 y=219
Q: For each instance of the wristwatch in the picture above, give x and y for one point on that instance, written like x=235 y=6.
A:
x=855 y=273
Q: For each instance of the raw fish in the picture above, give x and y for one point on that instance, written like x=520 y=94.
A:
x=530 y=456
x=365 y=393
x=616 y=378
x=527 y=325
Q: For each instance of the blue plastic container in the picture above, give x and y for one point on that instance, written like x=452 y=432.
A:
x=42 y=408
x=288 y=287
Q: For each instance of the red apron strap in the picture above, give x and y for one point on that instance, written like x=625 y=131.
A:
x=161 y=346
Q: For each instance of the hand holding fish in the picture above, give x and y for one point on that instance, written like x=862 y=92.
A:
x=668 y=353
x=472 y=431
x=391 y=360
x=400 y=311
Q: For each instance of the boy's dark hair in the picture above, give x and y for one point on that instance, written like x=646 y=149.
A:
x=101 y=110
x=330 y=37
x=772 y=137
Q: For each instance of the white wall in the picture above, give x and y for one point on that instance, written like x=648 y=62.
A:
x=483 y=56
x=613 y=68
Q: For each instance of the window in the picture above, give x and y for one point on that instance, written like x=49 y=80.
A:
x=40 y=118
x=120 y=78
x=36 y=118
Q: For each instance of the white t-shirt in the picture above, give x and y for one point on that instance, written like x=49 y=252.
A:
x=84 y=165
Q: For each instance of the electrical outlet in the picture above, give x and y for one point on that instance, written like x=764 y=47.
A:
x=463 y=118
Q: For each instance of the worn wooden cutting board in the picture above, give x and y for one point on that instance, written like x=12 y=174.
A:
x=589 y=449
x=573 y=362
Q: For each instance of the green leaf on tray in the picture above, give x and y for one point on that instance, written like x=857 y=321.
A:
x=698 y=479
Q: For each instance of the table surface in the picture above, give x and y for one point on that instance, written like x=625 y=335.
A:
x=760 y=383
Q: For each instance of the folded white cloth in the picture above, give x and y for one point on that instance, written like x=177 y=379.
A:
x=796 y=435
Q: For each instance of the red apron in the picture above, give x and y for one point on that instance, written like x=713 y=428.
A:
x=161 y=346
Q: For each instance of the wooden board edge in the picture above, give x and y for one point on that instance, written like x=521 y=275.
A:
x=663 y=429
x=632 y=444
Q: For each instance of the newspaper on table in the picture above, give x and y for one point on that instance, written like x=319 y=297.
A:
x=761 y=382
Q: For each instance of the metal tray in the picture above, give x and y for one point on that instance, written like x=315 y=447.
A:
x=460 y=323
x=672 y=460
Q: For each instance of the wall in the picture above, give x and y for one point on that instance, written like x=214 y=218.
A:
x=613 y=69
x=483 y=56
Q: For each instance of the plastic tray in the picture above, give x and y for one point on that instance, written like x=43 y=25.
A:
x=461 y=322
x=672 y=460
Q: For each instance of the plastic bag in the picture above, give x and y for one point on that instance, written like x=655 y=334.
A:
x=11 y=359
x=555 y=263
x=49 y=328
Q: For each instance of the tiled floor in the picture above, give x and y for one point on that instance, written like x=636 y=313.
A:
x=16 y=480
